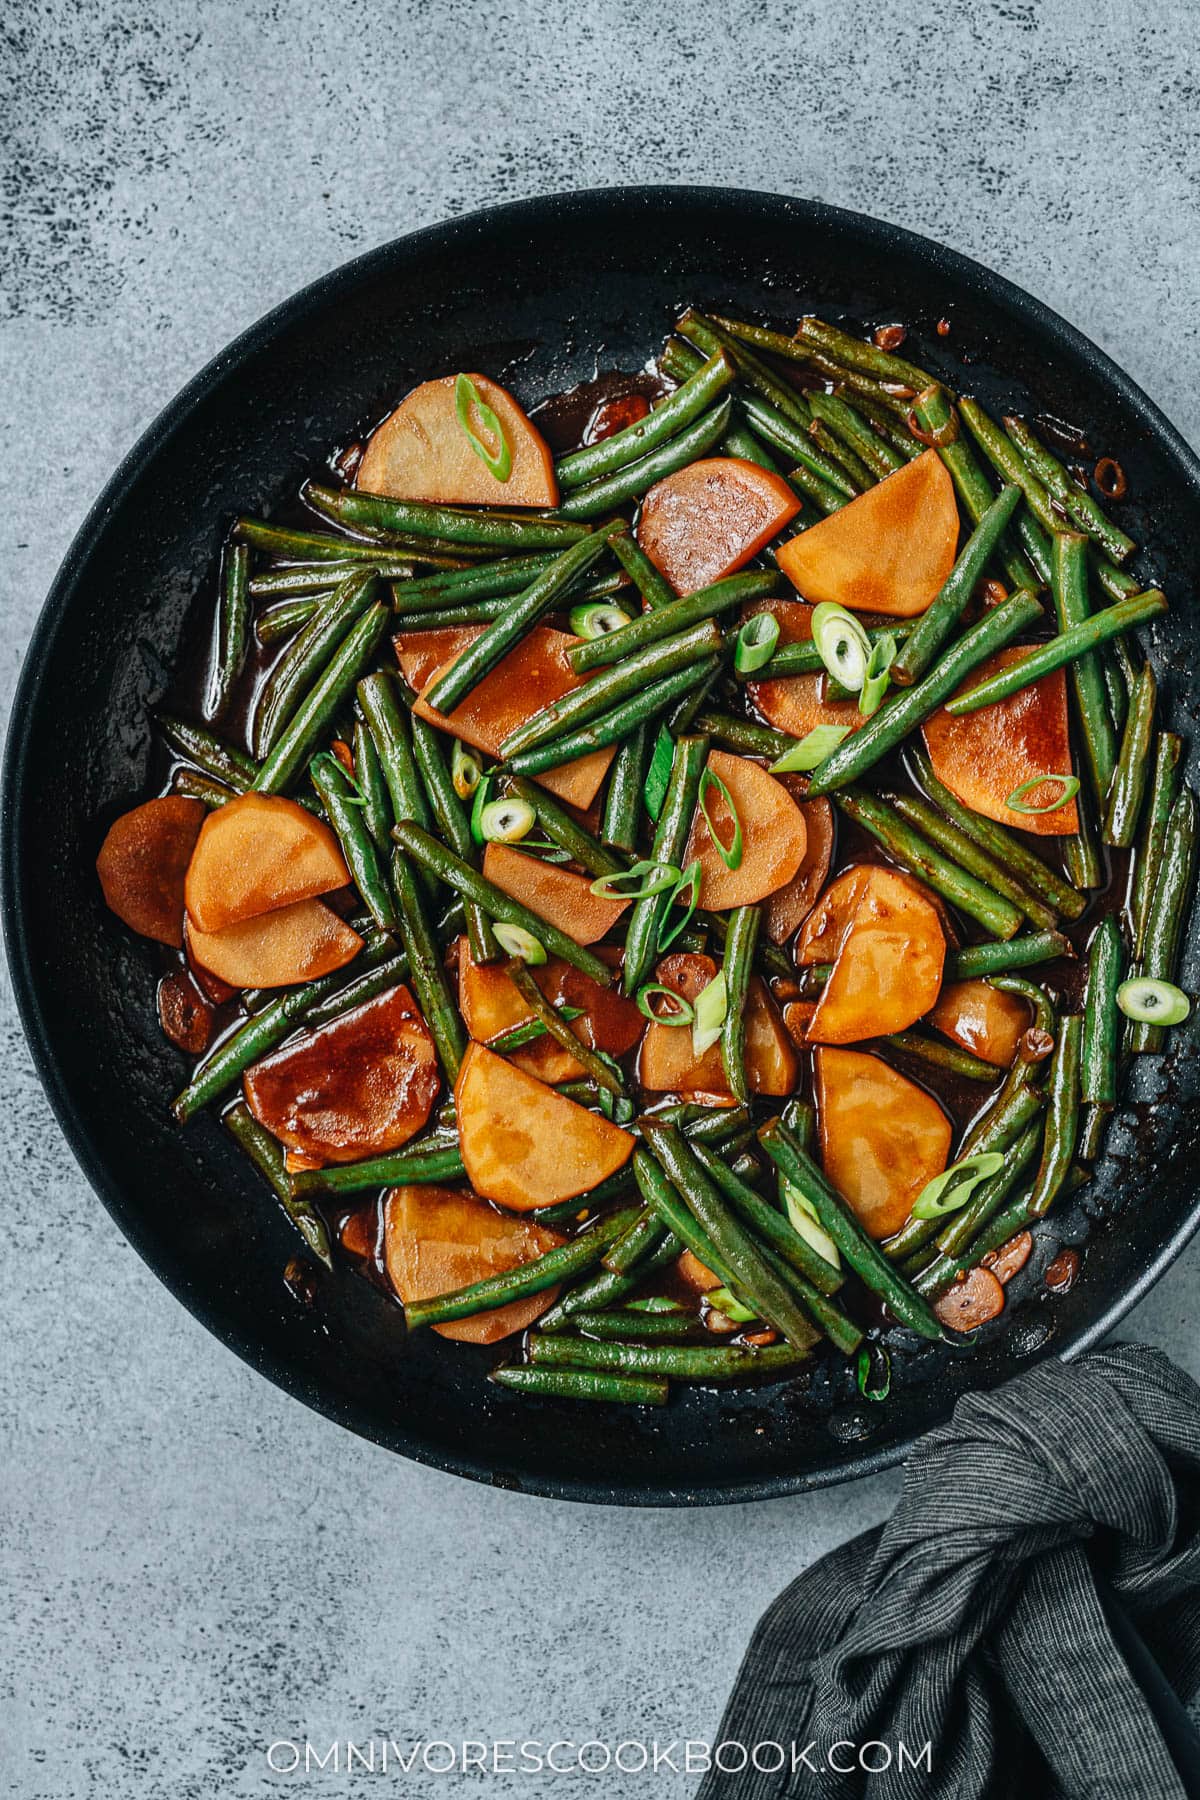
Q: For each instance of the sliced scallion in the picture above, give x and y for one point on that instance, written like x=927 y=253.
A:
x=950 y=1190
x=878 y=680
x=730 y=854
x=710 y=1005
x=658 y=775
x=842 y=644
x=811 y=750
x=596 y=619
x=647 y=878
x=689 y=884
x=1070 y=787
x=1152 y=1002
x=465 y=771
x=466 y=396
x=514 y=940
x=506 y=821
x=803 y=1220
x=680 y=1011
x=755 y=643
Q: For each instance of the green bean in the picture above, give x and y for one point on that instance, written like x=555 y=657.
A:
x=643 y=1237
x=1000 y=844
x=482 y=581
x=653 y=586
x=854 y=431
x=1076 y=501
x=912 y=706
x=623 y=803
x=1004 y=456
x=1123 y=615
x=938 y=419
x=955 y=884
x=486 y=528
x=941 y=1056
x=556 y=1265
x=563 y=829
x=372 y=785
x=494 y=643
x=1036 y=997
x=1062 y=1120
x=609 y=1287
x=753 y=1274
x=287 y=617
x=740 y=943
x=435 y=1161
x=1168 y=911
x=373 y=981
x=965 y=850
x=304 y=585
x=305 y=659
x=451 y=618
x=1098 y=1066
x=770 y=1224
x=518 y=1037
x=670 y=840
x=621 y=682
x=426 y=968
x=320 y=546
x=686 y=1362
x=615 y=724
x=454 y=824
x=841 y=455
x=635 y=479
x=473 y=885
x=943 y=1271
x=195 y=785
x=857 y=353
x=390 y=726
x=665 y=421
x=1093 y=1124
x=939 y=620
x=312 y=716
x=223 y=761
x=583 y=1384
x=988 y=1198
x=233 y=626
x=1148 y=859
x=705 y=335
x=1133 y=765
x=1081 y=853
x=1069 y=583
x=628 y=1322
x=743 y=734
x=860 y=1251
x=669 y=621
x=593 y=1064
x=266 y=1153
x=346 y=816
x=805 y=659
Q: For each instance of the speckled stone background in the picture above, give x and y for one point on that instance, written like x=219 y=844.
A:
x=196 y=1565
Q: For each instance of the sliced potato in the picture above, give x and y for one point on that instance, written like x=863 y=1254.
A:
x=983 y=1019
x=143 y=864
x=774 y=837
x=887 y=967
x=710 y=518
x=255 y=854
x=985 y=756
x=889 y=551
x=669 y=1065
x=491 y=1005
x=883 y=1138
x=294 y=943
x=421 y=452
x=787 y=908
x=362 y=1084
x=555 y=894
x=525 y=1146
x=533 y=674
x=439 y=1239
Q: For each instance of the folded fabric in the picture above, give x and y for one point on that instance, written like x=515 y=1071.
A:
x=971 y=1623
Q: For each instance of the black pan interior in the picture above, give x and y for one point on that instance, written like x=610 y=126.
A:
x=538 y=294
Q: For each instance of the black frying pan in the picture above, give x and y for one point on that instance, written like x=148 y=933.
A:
x=537 y=294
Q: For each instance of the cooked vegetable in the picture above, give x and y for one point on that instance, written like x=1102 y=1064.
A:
x=491 y=1008
x=1168 y=910
x=1148 y=857
x=883 y=1139
x=1043 y=659
x=971 y=1302
x=1151 y=1002
x=1098 y=1059
x=669 y=1062
x=937 y=624
x=787 y=907
x=357 y=1087
x=552 y=893
x=423 y=450
x=1133 y=764
x=984 y=1020
x=1062 y=1119
x=255 y=854
x=767 y=819
x=888 y=950
x=524 y=1146
x=143 y=863
x=440 y=1240
x=660 y=424
x=984 y=757
x=708 y=519
x=290 y=944
x=889 y=551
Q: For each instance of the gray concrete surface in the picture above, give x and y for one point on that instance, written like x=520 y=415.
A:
x=196 y=1565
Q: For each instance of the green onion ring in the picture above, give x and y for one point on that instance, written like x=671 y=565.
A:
x=811 y=750
x=731 y=857
x=596 y=619
x=947 y=1192
x=655 y=877
x=689 y=880
x=1070 y=787
x=755 y=642
x=842 y=644
x=1153 y=1002
x=682 y=1011
x=466 y=396
x=514 y=940
x=506 y=821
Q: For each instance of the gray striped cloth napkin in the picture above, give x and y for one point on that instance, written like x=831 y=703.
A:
x=980 y=1620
